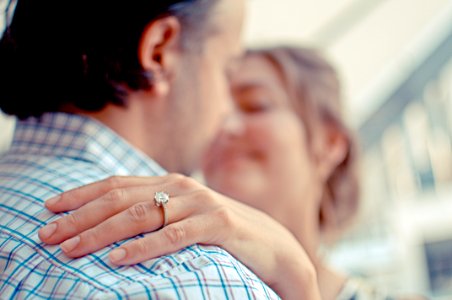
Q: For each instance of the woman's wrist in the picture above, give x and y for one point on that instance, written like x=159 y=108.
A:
x=296 y=277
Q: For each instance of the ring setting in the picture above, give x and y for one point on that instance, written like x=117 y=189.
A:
x=160 y=200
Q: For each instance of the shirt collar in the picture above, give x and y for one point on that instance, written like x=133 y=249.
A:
x=81 y=138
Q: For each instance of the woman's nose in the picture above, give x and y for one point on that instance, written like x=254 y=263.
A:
x=233 y=124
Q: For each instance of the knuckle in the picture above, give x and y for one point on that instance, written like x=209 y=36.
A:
x=184 y=182
x=91 y=236
x=110 y=207
x=113 y=182
x=115 y=195
x=174 y=234
x=72 y=221
x=175 y=176
x=224 y=216
x=139 y=212
x=140 y=248
x=68 y=197
x=206 y=197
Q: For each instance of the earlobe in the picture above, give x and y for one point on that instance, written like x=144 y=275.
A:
x=158 y=51
x=160 y=87
x=335 y=148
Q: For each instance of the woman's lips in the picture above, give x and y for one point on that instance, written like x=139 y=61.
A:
x=233 y=158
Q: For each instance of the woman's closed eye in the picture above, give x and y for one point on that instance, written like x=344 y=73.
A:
x=256 y=104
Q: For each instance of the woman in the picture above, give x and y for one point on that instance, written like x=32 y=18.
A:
x=292 y=156
x=286 y=153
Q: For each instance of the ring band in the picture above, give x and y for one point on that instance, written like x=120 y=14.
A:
x=160 y=200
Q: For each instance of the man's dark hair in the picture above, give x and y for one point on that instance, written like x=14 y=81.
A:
x=83 y=53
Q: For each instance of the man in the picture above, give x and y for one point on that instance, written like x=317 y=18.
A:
x=112 y=84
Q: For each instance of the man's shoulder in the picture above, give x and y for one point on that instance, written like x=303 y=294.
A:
x=26 y=181
x=196 y=272
x=56 y=171
x=32 y=268
x=36 y=178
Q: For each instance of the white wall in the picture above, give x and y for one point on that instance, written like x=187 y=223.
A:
x=370 y=41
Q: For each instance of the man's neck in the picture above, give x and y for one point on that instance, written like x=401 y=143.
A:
x=125 y=123
x=139 y=127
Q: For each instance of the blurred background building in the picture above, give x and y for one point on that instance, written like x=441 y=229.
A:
x=395 y=61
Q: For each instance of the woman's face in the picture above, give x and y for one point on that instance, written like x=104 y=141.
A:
x=261 y=156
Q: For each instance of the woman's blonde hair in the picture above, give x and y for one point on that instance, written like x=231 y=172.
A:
x=313 y=87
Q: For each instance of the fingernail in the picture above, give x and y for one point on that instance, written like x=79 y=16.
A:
x=117 y=255
x=70 y=244
x=53 y=201
x=48 y=230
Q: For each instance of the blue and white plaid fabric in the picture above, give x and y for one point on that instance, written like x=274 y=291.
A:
x=60 y=152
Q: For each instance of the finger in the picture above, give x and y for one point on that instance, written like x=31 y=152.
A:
x=169 y=239
x=95 y=212
x=78 y=197
x=140 y=218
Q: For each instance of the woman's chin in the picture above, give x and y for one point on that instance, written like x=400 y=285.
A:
x=238 y=181
x=235 y=165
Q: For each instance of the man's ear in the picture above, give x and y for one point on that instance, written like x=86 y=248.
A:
x=158 y=51
x=332 y=149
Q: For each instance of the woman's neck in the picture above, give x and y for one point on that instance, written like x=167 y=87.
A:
x=330 y=282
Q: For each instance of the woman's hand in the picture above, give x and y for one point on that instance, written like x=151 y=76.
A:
x=121 y=207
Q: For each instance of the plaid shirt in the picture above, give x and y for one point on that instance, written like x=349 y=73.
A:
x=60 y=152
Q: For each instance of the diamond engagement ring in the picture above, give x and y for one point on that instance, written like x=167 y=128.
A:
x=161 y=199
